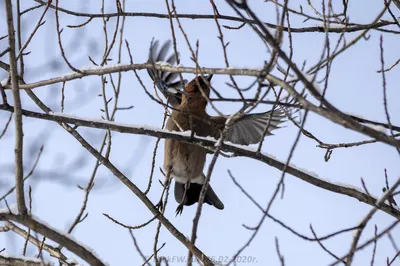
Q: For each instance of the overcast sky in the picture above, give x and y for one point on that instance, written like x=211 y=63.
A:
x=354 y=87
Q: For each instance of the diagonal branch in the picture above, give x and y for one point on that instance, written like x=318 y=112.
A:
x=45 y=229
x=238 y=150
x=52 y=251
x=125 y=180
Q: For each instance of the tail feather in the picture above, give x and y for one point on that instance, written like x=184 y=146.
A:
x=212 y=198
x=193 y=194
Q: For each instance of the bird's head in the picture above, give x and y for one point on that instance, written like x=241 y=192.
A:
x=196 y=88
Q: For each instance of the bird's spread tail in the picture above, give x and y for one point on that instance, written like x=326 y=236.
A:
x=193 y=194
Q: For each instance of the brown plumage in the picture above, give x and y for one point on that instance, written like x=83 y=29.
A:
x=186 y=161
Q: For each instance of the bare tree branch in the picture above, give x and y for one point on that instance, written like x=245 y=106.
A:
x=19 y=169
x=45 y=229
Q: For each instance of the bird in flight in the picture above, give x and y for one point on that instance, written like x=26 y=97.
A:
x=186 y=161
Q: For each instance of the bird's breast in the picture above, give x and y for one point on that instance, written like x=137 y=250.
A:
x=186 y=161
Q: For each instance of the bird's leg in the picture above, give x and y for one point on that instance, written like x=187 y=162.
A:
x=160 y=204
x=179 y=209
x=167 y=182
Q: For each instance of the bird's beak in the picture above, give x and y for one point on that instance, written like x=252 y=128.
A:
x=209 y=77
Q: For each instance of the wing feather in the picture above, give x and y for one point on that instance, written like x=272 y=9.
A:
x=168 y=83
x=250 y=128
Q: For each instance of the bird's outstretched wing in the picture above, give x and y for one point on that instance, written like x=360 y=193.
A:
x=168 y=83
x=249 y=129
